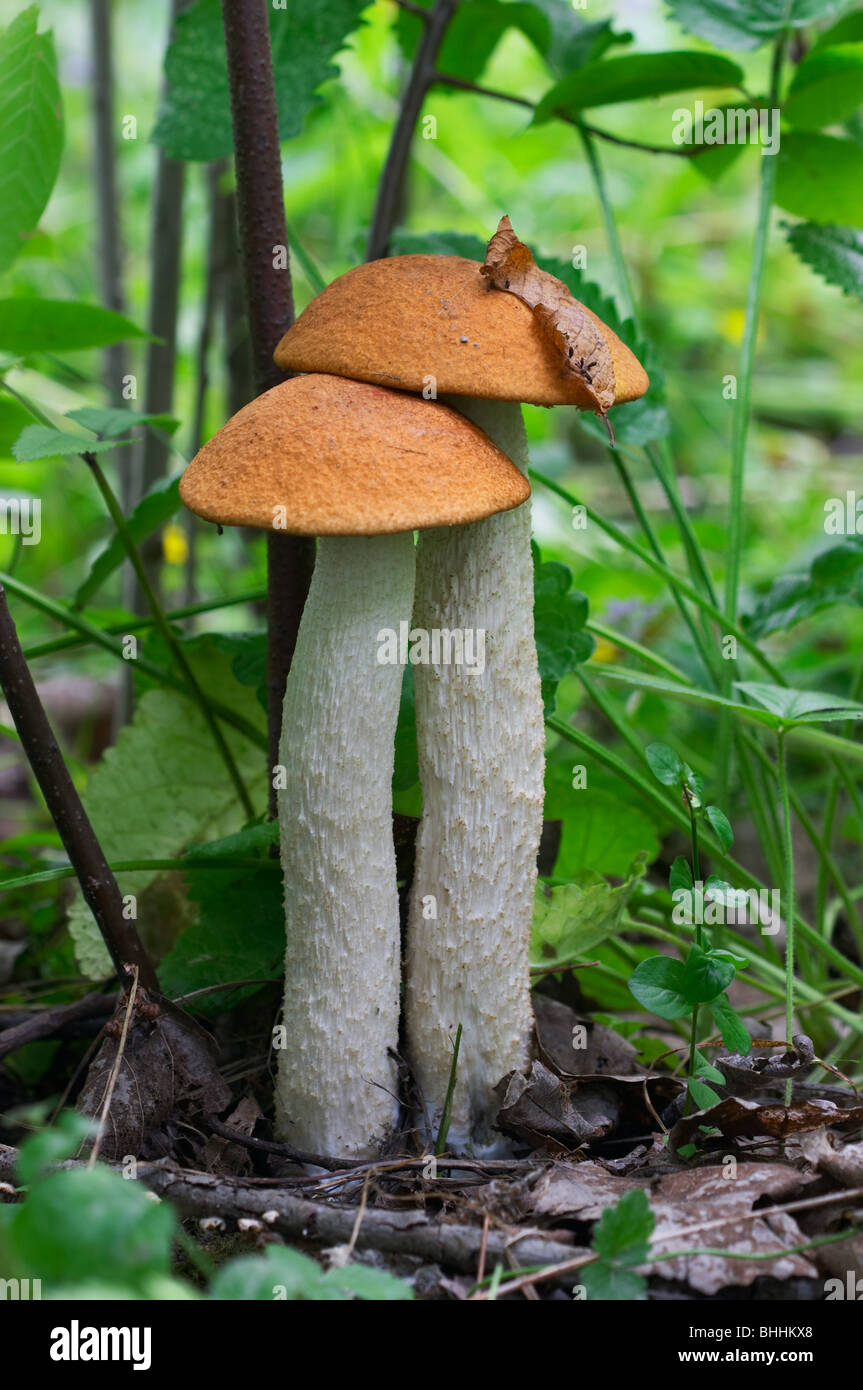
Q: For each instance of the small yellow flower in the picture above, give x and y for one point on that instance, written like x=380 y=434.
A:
x=175 y=547
x=604 y=651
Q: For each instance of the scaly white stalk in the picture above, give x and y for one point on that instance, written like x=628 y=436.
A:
x=335 y=1091
x=481 y=753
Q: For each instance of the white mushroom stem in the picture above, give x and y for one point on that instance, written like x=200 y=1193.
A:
x=481 y=758
x=335 y=1092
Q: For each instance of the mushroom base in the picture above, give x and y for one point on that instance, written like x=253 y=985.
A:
x=481 y=750
x=336 y=1084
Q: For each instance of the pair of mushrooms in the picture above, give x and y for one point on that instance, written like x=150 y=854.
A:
x=362 y=467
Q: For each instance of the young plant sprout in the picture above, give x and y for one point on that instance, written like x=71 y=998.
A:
x=362 y=468
x=437 y=325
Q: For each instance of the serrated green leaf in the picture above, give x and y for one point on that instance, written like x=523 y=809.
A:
x=744 y=24
x=836 y=253
x=635 y=76
x=153 y=510
x=730 y=1025
x=163 y=786
x=827 y=88
x=111 y=422
x=604 y=1283
x=43 y=442
x=664 y=763
x=559 y=617
x=800 y=706
x=657 y=984
x=820 y=177
x=572 y=918
x=622 y=1234
x=195 y=120
x=31 y=129
x=30 y=325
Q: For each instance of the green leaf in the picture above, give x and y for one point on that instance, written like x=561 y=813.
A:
x=657 y=984
x=703 y=1095
x=731 y=1026
x=406 y=762
x=622 y=1234
x=43 y=442
x=681 y=875
x=836 y=253
x=559 y=617
x=573 y=918
x=153 y=510
x=705 y=1070
x=721 y=825
x=163 y=786
x=601 y=831
x=111 y=423
x=743 y=24
x=195 y=120
x=848 y=29
x=705 y=975
x=604 y=1282
x=664 y=764
x=30 y=325
x=31 y=130
x=633 y=77
x=240 y=931
x=368 y=1283
x=820 y=177
x=280 y=1273
x=827 y=88
x=800 y=706
x=51 y=1145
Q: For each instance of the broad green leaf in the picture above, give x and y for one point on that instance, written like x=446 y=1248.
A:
x=31 y=129
x=406 y=761
x=820 y=177
x=635 y=76
x=51 y=1145
x=681 y=875
x=573 y=918
x=365 y=1282
x=657 y=984
x=722 y=826
x=474 y=33
x=111 y=423
x=743 y=24
x=195 y=120
x=802 y=706
x=622 y=1234
x=827 y=88
x=848 y=29
x=664 y=763
x=836 y=253
x=730 y=1025
x=280 y=1273
x=163 y=786
x=240 y=931
x=703 y=1095
x=607 y=1284
x=601 y=831
x=60 y=325
x=43 y=442
x=705 y=1070
x=153 y=510
x=705 y=975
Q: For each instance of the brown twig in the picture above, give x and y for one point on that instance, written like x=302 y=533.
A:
x=270 y=302
x=422 y=76
x=48 y=1022
x=115 y=1069
x=98 y=884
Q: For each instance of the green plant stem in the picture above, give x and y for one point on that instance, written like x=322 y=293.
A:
x=832 y=800
x=186 y=861
x=788 y=913
x=132 y=623
x=628 y=644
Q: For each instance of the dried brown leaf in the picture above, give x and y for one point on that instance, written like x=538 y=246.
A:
x=746 y=1119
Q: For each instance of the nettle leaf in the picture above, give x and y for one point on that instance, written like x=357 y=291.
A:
x=622 y=1234
x=153 y=510
x=664 y=763
x=820 y=177
x=705 y=975
x=635 y=76
x=573 y=918
x=800 y=706
x=827 y=88
x=836 y=253
x=730 y=1025
x=743 y=24
x=31 y=130
x=657 y=984
x=43 y=442
x=721 y=825
x=195 y=120
x=163 y=786
x=240 y=931
x=30 y=325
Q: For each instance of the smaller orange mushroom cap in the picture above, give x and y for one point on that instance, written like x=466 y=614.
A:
x=322 y=456
x=410 y=320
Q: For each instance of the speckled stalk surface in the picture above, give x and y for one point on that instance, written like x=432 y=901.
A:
x=481 y=751
x=335 y=1090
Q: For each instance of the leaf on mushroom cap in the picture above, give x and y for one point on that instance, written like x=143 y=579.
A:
x=323 y=456
x=411 y=321
x=578 y=336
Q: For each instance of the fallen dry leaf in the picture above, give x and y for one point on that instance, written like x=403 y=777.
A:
x=584 y=350
x=748 y=1075
x=844 y=1165
x=746 y=1119
x=560 y=1033
x=578 y=1110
